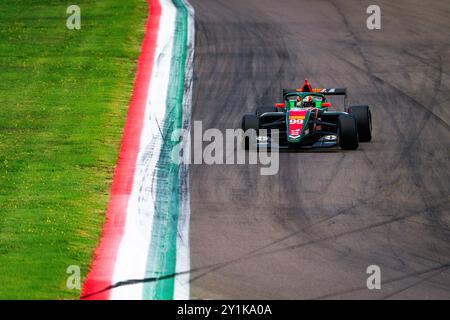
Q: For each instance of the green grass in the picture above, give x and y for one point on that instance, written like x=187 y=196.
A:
x=63 y=100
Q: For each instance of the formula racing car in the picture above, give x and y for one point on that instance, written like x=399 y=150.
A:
x=304 y=120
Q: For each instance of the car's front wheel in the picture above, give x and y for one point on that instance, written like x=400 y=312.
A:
x=347 y=132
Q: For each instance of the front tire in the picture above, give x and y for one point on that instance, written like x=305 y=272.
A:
x=363 y=118
x=347 y=132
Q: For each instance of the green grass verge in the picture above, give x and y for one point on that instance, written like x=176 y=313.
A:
x=63 y=100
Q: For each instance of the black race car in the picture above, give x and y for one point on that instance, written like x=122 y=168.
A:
x=304 y=120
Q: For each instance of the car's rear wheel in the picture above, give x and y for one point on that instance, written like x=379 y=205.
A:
x=347 y=132
x=250 y=125
x=363 y=118
x=261 y=110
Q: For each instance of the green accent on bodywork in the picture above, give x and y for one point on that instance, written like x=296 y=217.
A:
x=290 y=104
x=161 y=257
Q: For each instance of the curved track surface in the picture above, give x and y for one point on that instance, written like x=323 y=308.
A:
x=312 y=230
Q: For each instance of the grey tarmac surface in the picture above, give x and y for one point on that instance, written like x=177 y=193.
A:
x=311 y=231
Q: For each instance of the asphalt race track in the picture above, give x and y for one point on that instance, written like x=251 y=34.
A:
x=311 y=231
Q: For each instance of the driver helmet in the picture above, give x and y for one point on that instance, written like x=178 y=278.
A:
x=307 y=102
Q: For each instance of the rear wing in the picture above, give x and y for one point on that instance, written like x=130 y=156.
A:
x=324 y=91
x=332 y=91
x=306 y=87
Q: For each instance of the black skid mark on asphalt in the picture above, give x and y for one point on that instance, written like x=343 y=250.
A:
x=407 y=157
x=149 y=172
x=436 y=271
x=137 y=281
x=260 y=251
x=416 y=283
x=257 y=252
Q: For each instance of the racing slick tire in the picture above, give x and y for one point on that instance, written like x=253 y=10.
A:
x=261 y=110
x=250 y=122
x=363 y=118
x=347 y=132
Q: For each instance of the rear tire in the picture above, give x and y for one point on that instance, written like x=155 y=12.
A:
x=363 y=118
x=347 y=132
x=261 y=110
x=250 y=122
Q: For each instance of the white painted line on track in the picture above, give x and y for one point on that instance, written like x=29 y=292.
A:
x=132 y=254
